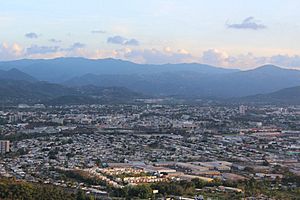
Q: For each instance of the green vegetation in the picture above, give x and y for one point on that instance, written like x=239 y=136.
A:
x=81 y=176
x=286 y=188
x=21 y=190
x=174 y=188
x=12 y=189
x=252 y=188
x=272 y=189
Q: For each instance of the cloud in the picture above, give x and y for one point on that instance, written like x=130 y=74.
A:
x=58 y=54
x=98 y=31
x=10 y=52
x=116 y=40
x=35 y=49
x=247 y=61
x=31 y=35
x=286 y=60
x=122 y=41
x=154 y=56
x=54 y=40
x=223 y=59
x=248 y=23
x=76 y=49
x=132 y=42
x=75 y=46
x=214 y=57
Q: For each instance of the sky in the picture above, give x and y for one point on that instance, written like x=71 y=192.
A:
x=229 y=33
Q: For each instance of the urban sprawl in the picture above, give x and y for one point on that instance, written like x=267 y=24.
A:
x=131 y=145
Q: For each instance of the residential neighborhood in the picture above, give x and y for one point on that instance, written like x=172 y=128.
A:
x=139 y=144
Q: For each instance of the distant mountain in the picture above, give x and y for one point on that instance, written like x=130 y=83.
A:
x=15 y=91
x=183 y=80
x=264 y=79
x=283 y=96
x=162 y=84
x=15 y=74
x=29 y=92
x=109 y=92
x=61 y=69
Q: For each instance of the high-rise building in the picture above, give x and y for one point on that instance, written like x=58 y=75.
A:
x=242 y=109
x=4 y=146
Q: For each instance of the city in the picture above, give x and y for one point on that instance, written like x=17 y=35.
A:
x=150 y=100
x=131 y=145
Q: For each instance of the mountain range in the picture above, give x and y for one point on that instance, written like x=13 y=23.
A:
x=194 y=84
x=14 y=74
x=77 y=76
x=284 y=96
x=62 y=69
x=19 y=87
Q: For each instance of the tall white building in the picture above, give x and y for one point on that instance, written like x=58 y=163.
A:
x=4 y=146
x=242 y=109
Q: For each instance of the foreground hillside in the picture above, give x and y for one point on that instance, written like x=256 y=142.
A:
x=12 y=189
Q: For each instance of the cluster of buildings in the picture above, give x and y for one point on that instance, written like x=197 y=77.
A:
x=133 y=144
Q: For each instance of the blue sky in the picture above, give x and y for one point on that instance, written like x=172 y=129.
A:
x=229 y=33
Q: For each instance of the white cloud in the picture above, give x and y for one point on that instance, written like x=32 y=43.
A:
x=47 y=56
x=150 y=56
x=155 y=56
x=10 y=52
x=249 y=60
x=215 y=57
x=286 y=60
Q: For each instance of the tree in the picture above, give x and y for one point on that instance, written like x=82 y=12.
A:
x=199 y=183
x=139 y=191
x=80 y=195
